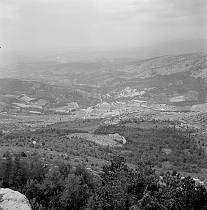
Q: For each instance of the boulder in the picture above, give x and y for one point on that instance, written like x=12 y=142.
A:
x=118 y=138
x=13 y=200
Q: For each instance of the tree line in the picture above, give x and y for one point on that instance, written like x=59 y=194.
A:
x=117 y=187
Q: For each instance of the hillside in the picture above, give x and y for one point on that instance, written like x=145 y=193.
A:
x=106 y=88
x=171 y=87
x=12 y=91
x=70 y=114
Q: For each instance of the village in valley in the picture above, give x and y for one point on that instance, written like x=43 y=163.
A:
x=103 y=105
x=88 y=124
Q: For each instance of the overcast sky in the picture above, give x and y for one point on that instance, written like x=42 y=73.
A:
x=37 y=24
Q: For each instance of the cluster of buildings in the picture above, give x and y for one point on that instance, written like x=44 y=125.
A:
x=66 y=109
x=25 y=103
x=28 y=104
x=130 y=92
x=105 y=109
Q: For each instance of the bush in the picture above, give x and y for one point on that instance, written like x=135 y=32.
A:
x=118 y=187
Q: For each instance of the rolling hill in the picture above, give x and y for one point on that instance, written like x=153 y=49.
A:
x=161 y=78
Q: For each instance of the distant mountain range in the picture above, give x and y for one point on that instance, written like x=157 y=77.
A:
x=61 y=55
x=163 y=79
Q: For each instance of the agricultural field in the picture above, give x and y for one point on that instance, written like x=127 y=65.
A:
x=157 y=105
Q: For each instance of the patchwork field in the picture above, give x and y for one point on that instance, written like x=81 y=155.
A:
x=153 y=110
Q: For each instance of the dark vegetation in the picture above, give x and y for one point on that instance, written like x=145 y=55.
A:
x=53 y=144
x=51 y=184
x=118 y=187
x=50 y=180
x=150 y=143
x=165 y=146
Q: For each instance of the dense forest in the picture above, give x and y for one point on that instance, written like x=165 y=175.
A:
x=117 y=187
x=179 y=147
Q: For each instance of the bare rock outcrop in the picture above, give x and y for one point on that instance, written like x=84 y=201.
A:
x=13 y=200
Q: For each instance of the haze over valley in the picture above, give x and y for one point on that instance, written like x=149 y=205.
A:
x=39 y=93
x=103 y=104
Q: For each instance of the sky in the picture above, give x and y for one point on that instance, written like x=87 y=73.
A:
x=77 y=24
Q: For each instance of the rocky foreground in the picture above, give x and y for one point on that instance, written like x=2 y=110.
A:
x=13 y=200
